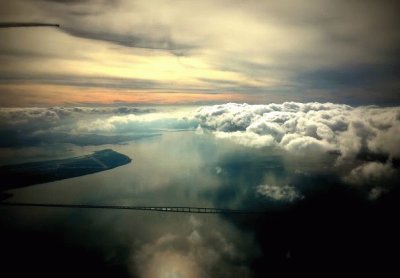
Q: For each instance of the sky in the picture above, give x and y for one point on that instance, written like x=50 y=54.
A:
x=197 y=52
x=287 y=107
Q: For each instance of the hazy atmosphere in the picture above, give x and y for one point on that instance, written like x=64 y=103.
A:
x=278 y=119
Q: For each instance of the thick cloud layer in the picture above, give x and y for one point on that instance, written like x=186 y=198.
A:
x=307 y=127
x=75 y=125
x=362 y=140
x=365 y=139
x=29 y=116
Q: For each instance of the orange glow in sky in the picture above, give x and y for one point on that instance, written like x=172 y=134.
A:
x=23 y=95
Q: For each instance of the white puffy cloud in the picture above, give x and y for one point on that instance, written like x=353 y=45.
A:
x=375 y=177
x=364 y=137
x=304 y=144
x=263 y=127
x=307 y=127
x=249 y=139
x=370 y=173
x=131 y=122
x=279 y=193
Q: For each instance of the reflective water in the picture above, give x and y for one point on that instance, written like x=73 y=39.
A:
x=175 y=169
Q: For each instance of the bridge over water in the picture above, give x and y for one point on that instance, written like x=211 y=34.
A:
x=143 y=208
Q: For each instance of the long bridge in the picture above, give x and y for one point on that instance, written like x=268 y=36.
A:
x=142 y=208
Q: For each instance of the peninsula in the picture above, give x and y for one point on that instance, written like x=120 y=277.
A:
x=25 y=174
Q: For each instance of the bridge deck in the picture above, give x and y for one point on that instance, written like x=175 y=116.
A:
x=145 y=208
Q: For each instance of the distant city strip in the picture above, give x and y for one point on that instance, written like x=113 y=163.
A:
x=144 y=208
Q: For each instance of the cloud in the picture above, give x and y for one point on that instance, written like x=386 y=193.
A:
x=35 y=126
x=35 y=119
x=302 y=128
x=348 y=137
x=387 y=142
x=197 y=252
x=361 y=142
x=375 y=177
x=298 y=128
x=252 y=47
x=15 y=115
x=284 y=193
x=304 y=144
x=376 y=192
x=132 y=122
x=40 y=114
x=247 y=138
x=371 y=173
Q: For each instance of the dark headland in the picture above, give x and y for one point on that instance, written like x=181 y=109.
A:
x=25 y=174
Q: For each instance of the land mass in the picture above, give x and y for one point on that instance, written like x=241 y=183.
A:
x=25 y=174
